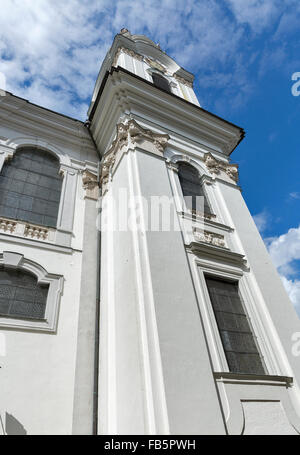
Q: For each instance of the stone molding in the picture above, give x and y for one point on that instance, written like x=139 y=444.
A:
x=215 y=166
x=130 y=133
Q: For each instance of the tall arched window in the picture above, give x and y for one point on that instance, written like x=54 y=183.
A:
x=190 y=184
x=20 y=295
x=161 y=82
x=30 y=187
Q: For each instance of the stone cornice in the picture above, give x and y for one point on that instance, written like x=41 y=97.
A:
x=124 y=92
x=22 y=116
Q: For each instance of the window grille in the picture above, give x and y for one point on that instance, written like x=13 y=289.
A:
x=238 y=341
x=30 y=187
x=191 y=186
x=161 y=82
x=21 y=296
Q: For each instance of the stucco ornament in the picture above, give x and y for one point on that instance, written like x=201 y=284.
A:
x=155 y=65
x=210 y=237
x=138 y=133
x=129 y=133
x=215 y=166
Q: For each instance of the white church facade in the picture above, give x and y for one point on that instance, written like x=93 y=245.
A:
x=116 y=327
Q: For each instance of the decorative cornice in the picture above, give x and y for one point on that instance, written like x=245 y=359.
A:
x=204 y=250
x=132 y=133
x=183 y=81
x=215 y=166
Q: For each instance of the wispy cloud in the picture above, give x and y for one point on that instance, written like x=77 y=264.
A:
x=261 y=220
x=258 y=14
x=295 y=195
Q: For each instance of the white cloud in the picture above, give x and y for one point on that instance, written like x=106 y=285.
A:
x=292 y=287
x=285 y=248
x=285 y=251
x=52 y=50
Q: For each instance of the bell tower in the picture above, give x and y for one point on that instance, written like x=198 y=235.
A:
x=195 y=326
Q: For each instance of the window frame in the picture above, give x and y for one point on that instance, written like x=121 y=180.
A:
x=16 y=261
x=162 y=77
x=250 y=296
x=24 y=161
x=62 y=234
x=204 y=180
x=201 y=184
x=244 y=307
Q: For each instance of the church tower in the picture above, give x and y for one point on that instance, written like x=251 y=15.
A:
x=196 y=330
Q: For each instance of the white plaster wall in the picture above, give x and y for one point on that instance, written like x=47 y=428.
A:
x=37 y=371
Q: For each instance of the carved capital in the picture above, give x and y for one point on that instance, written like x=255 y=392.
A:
x=138 y=133
x=215 y=166
x=130 y=133
x=90 y=184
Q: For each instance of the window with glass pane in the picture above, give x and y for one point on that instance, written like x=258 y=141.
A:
x=21 y=296
x=30 y=187
x=161 y=82
x=190 y=184
x=234 y=326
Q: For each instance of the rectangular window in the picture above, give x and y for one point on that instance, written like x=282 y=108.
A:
x=235 y=330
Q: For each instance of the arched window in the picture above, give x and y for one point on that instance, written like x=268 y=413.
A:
x=191 y=186
x=30 y=187
x=20 y=295
x=161 y=82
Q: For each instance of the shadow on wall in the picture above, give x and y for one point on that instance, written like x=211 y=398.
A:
x=13 y=427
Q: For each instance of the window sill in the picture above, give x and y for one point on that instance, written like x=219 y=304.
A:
x=244 y=378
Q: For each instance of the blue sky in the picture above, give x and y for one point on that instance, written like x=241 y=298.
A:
x=242 y=52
